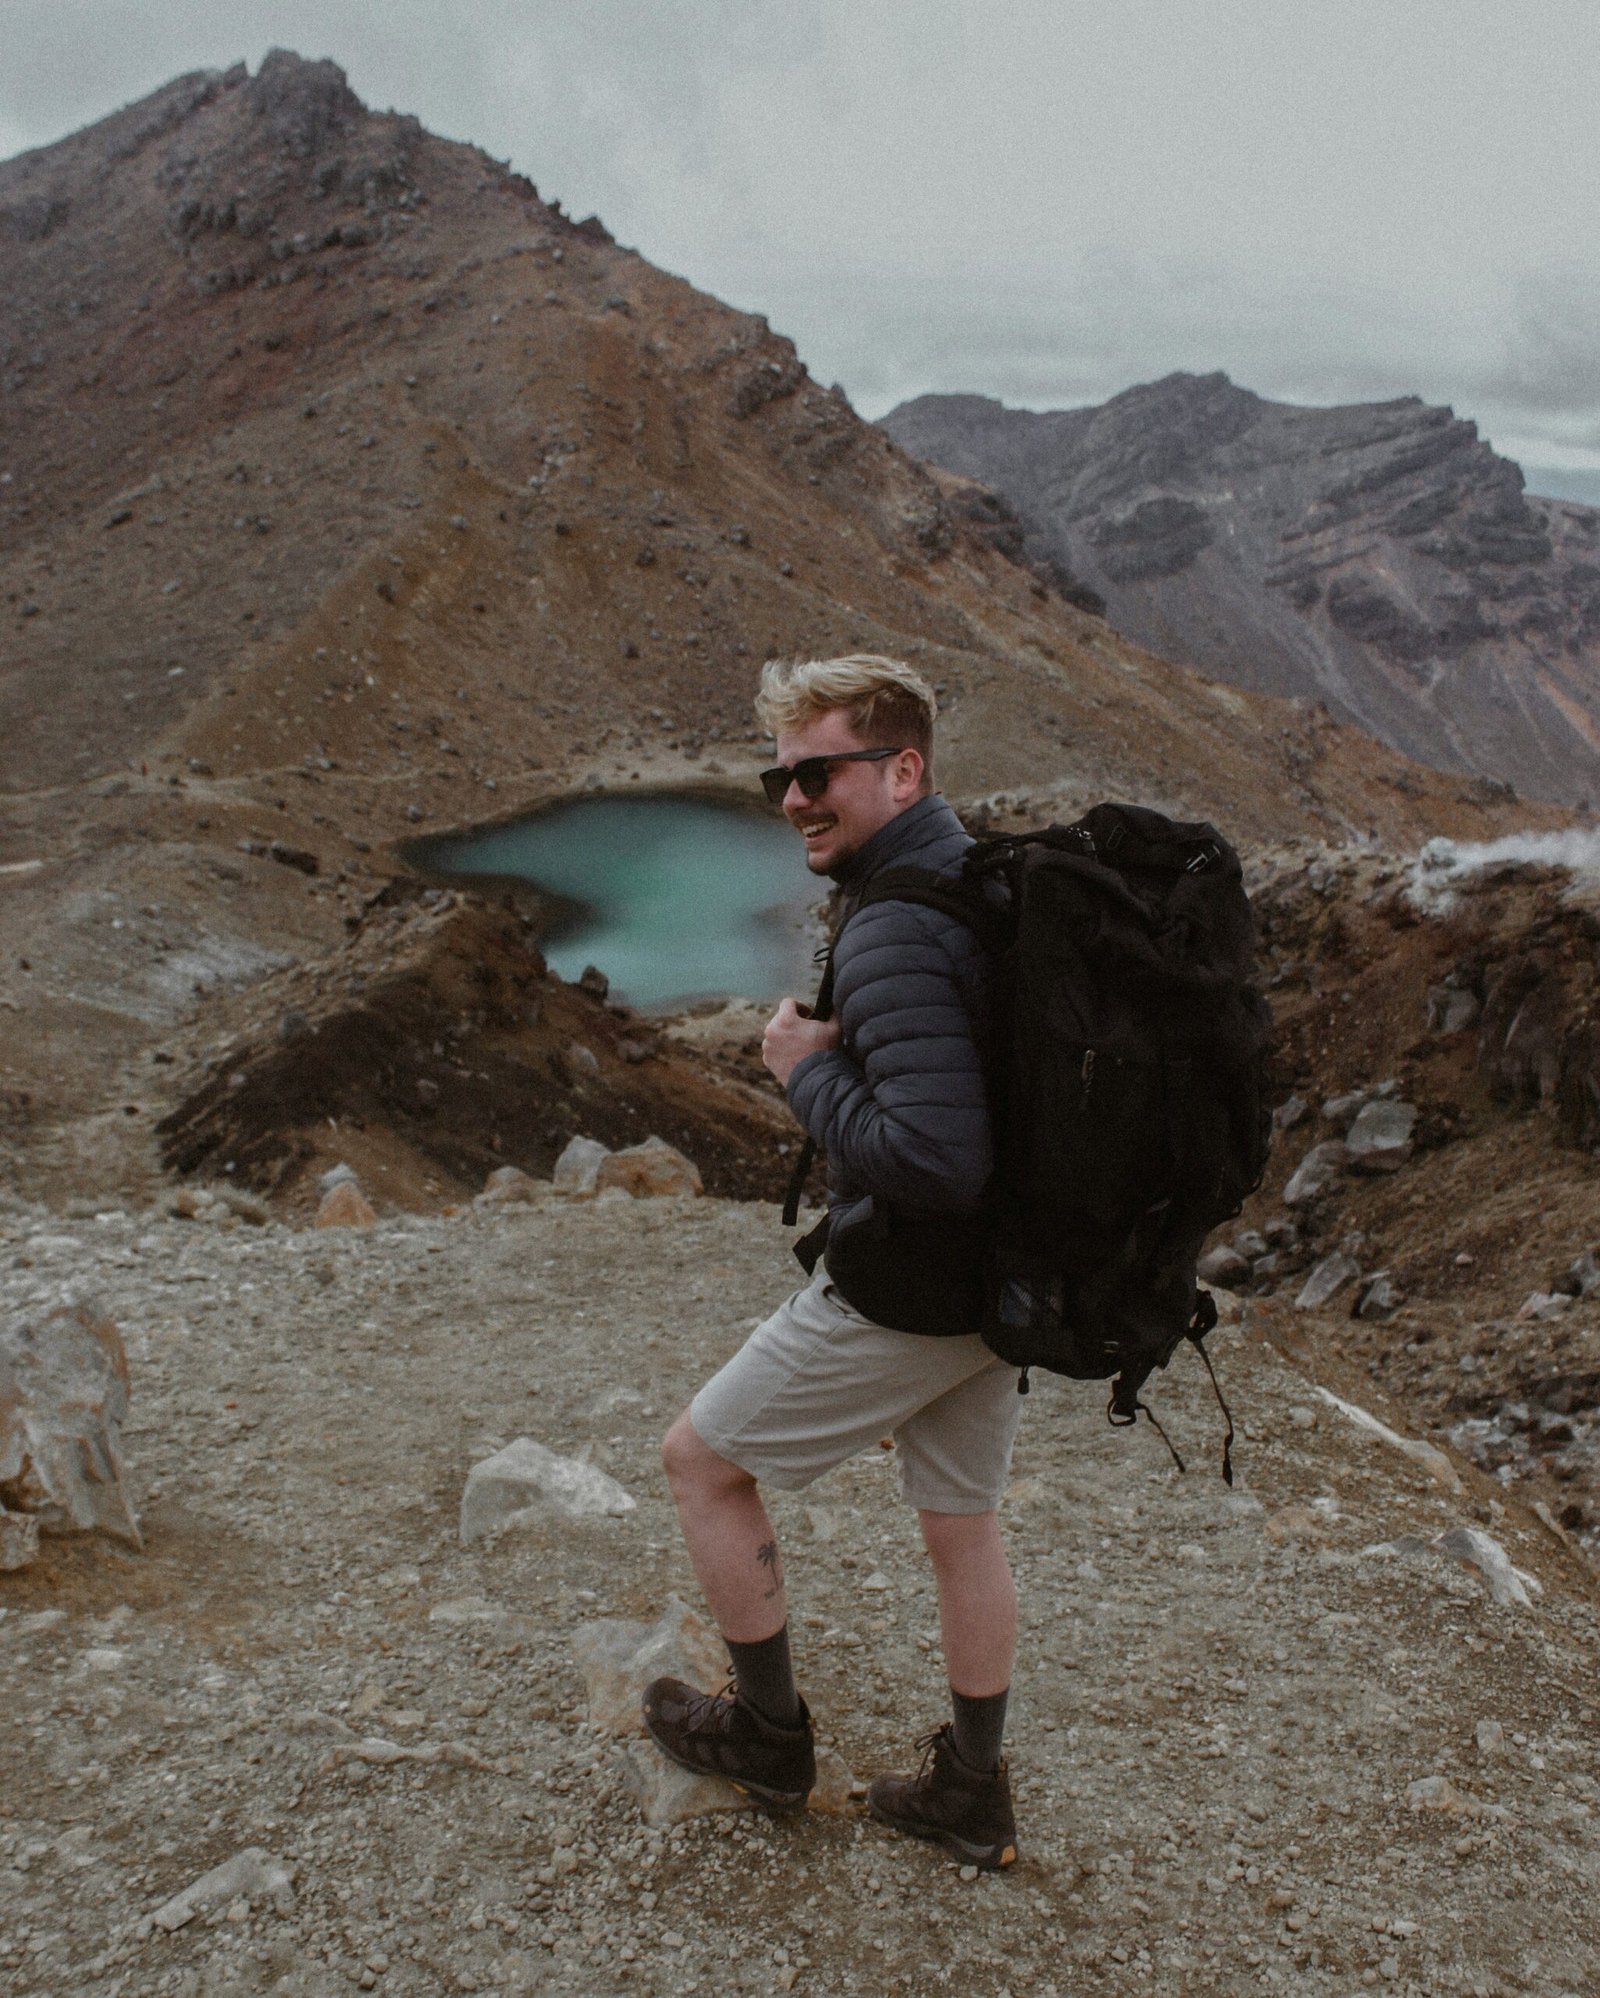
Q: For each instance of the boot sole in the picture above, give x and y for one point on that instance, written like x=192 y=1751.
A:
x=990 y=1858
x=782 y=1803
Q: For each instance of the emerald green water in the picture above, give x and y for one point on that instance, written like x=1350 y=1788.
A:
x=674 y=898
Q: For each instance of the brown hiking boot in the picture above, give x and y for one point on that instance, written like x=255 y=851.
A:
x=719 y=1734
x=966 y=1810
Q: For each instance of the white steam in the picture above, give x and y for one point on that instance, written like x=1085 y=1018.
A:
x=1444 y=864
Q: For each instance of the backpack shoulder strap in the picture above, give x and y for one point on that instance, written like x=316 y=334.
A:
x=958 y=895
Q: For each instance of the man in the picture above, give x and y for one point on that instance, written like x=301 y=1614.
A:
x=893 y=1088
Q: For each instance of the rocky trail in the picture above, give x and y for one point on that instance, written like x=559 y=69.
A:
x=1272 y=1738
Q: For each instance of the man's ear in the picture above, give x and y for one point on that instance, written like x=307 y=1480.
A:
x=908 y=768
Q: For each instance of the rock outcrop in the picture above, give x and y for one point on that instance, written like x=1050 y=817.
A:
x=1381 y=558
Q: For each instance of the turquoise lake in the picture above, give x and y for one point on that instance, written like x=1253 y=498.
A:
x=675 y=898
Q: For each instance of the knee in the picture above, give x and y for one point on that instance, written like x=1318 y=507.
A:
x=953 y=1538
x=693 y=1468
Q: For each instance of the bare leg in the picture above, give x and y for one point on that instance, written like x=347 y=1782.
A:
x=977 y=1599
x=729 y=1537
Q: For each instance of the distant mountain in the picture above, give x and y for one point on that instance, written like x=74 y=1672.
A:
x=1380 y=557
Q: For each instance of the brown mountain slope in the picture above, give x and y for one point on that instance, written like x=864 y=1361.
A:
x=349 y=489
x=1381 y=557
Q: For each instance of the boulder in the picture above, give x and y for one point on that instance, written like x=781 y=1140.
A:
x=510 y=1186
x=647 y=1170
x=1381 y=1138
x=618 y=1660
x=345 y=1206
x=1223 y=1266
x=577 y=1167
x=1315 y=1173
x=19 y=1540
x=63 y=1397
x=1326 y=1281
x=526 y=1478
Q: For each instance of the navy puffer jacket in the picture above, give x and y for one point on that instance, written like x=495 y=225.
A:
x=902 y=1107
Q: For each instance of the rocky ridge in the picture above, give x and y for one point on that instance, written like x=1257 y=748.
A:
x=1380 y=557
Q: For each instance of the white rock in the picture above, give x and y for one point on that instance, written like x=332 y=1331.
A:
x=1511 y=1587
x=525 y=1477
x=577 y=1167
x=1326 y=1281
x=1490 y=1737
x=252 y=1875
x=63 y=1397
x=1545 y=1304
x=1434 y=1462
x=1380 y=1139
x=339 y=1175
x=1315 y=1173
x=618 y=1660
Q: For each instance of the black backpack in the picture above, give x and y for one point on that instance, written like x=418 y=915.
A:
x=1127 y=1060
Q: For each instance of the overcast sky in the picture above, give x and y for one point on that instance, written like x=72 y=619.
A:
x=1043 y=200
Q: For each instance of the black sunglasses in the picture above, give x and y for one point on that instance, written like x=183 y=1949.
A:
x=812 y=773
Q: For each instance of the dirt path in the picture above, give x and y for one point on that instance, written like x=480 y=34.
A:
x=1222 y=1706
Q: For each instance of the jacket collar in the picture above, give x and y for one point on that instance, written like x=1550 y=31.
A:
x=929 y=819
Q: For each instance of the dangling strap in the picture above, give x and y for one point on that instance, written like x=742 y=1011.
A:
x=1227 y=1441
x=822 y=1009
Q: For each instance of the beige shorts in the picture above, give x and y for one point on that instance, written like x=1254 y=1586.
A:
x=818 y=1382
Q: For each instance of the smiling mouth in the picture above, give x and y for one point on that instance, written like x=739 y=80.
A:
x=814 y=828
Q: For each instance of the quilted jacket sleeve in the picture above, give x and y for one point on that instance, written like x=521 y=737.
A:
x=902 y=1108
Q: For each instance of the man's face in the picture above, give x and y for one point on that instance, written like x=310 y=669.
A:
x=859 y=799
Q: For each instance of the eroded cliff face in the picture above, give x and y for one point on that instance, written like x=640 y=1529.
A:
x=1380 y=557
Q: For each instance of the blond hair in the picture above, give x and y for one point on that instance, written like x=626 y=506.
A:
x=887 y=703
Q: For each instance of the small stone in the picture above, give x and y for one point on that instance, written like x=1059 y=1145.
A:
x=253 y=1875
x=1490 y=1737
x=1438 y=1793
x=1342 y=1111
x=1544 y=1304
x=583 y=1059
x=510 y=1186
x=1379 y=1299
x=337 y=1175
x=969 y=1873
x=345 y=1206
x=1315 y=1173
x=594 y=981
x=1326 y=1281
x=1223 y=1266
x=1303 y=1418
x=1451 y=1008
x=577 y=1168
x=1293 y=1110
x=1381 y=1138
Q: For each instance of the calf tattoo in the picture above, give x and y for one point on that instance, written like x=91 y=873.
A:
x=767 y=1556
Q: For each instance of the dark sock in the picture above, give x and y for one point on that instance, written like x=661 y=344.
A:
x=979 y=1729
x=765 y=1677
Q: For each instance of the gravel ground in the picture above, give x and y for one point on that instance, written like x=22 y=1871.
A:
x=1221 y=1708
